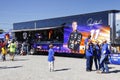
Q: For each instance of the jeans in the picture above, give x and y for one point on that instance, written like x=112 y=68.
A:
x=95 y=61
x=103 y=63
x=98 y=60
x=89 y=63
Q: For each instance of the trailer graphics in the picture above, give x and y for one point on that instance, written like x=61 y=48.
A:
x=40 y=33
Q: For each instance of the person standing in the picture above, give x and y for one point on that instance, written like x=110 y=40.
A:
x=98 y=52
x=51 y=58
x=86 y=41
x=3 y=49
x=95 y=46
x=89 y=55
x=12 y=47
x=74 y=39
x=0 y=45
x=3 y=52
x=104 y=58
x=24 y=48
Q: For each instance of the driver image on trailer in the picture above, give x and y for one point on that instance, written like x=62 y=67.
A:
x=74 y=39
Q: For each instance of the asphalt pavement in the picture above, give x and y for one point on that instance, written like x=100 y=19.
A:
x=35 y=67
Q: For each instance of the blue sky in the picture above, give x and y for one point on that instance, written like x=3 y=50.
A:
x=12 y=11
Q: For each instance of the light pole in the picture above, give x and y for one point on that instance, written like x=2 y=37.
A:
x=35 y=25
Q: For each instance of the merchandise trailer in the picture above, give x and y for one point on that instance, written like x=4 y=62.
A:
x=100 y=25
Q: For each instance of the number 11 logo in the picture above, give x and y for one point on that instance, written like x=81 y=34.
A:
x=94 y=34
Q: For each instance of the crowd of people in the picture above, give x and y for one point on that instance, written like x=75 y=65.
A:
x=12 y=47
x=7 y=47
x=97 y=52
x=94 y=51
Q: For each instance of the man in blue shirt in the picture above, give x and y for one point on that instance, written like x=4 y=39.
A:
x=104 y=57
x=87 y=39
x=51 y=58
x=89 y=55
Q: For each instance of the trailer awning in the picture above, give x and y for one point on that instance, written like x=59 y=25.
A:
x=35 y=29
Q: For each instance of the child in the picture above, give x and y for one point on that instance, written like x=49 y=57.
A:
x=51 y=58
x=4 y=52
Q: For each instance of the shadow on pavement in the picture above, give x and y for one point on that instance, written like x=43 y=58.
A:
x=115 y=71
x=111 y=67
x=65 y=69
x=5 y=67
x=21 y=59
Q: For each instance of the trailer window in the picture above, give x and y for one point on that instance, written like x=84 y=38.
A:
x=50 y=35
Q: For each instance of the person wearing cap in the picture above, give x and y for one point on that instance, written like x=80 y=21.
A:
x=51 y=58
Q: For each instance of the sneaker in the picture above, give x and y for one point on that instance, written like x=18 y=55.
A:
x=105 y=72
x=88 y=70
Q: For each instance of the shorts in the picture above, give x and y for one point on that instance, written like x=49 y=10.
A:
x=12 y=53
